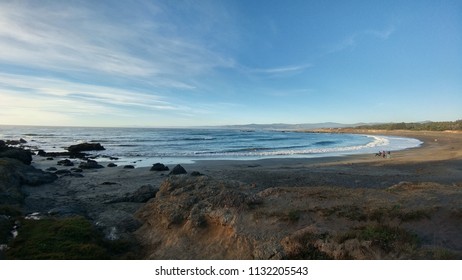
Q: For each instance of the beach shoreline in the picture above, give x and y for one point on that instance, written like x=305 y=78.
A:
x=293 y=194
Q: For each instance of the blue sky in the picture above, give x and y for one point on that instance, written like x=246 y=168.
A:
x=188 y=63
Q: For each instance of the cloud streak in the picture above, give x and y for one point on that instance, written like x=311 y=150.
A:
x=352 y=40
x=82 y=39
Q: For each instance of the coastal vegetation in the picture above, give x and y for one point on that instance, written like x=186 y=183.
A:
x=430 y=126
x=73 y=238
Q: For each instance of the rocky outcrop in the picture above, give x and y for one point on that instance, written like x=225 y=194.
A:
x=78 y=148
x=13 y=174
x=204 y=218
x=22 y=155
x=200 y=218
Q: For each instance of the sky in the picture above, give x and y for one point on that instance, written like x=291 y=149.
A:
x=221 y=62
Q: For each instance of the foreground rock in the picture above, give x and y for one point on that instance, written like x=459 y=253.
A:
x=22 y=155
x=13 y=174
x=203 y=218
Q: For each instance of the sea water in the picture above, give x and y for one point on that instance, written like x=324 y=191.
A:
x=144 y=146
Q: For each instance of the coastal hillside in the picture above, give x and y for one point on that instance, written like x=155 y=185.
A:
x=205 y=218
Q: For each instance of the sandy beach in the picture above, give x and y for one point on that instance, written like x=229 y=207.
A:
x=287 y=208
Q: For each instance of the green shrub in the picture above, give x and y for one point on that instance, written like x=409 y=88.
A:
x=70 y=238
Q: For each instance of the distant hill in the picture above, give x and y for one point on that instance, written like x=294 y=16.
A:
x=427 y=125
x=283 y=126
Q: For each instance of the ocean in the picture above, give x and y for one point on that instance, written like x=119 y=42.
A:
x=145 y=146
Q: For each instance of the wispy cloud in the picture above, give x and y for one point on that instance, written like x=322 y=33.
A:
x=352 y=41
x=81 y=39
x=49 y=89
x=282 y=71
x=96 y=57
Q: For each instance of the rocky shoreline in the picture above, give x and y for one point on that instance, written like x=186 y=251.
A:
x=355 y=207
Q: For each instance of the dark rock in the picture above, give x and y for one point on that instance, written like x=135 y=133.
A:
x=10 y=181
x=13 y=174
x=36 y=177
x=17 y=153
x=85 y=147
x=51 y=169
x=111 y=165
x=65 y=162
x=113 y=158
x=13 y=142
x=142 y=195
x=50 y=158
x=196 y=173
x=77 y=175
x=108 y=183
x=22 y=141
x=129 y=167
x=90 y=164
x=77 y=170
x=63 y=172
x=42 y=153
x=159 y=167
x=177 y=170
x=2 y=144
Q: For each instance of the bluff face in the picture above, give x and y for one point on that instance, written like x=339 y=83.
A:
x=204 y=218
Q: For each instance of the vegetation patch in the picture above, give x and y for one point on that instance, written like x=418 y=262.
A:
x=302 y=247
x=294 y=215
x=8 y=215
x=69 y=238
x=430 y=126
x=384 y=237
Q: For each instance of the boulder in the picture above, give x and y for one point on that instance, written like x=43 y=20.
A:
x=65 y=162
x=13 y=174
x=129 y=167
x=90 y=164
x=177 y=170
x=112 y=165
x=62 y=172
x=159 y=167
x=17 y=153
x=85 y=147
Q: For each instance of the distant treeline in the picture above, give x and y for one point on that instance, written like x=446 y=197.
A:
x=432 y=126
